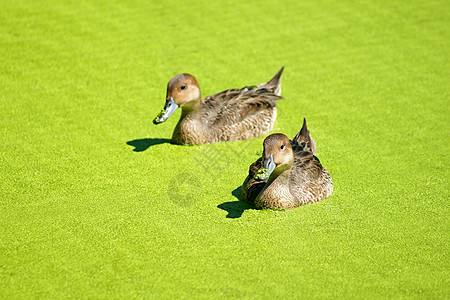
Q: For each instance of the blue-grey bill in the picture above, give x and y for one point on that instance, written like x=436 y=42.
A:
x=169 y=108
x=267 y=169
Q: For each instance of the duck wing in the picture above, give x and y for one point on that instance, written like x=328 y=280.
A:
x=233 y=106
x=306 y=164
x=306 y=178
x=309 y=181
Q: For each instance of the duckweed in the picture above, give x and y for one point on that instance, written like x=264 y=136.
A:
x=262 y=173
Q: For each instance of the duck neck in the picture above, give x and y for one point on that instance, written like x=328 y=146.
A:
x=191 y=107
x=283 y=170
x=185 y=131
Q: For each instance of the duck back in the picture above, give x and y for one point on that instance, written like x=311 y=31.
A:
x=309 y=181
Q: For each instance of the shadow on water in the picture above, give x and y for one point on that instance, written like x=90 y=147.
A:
x=143 y=144
x=235 y=209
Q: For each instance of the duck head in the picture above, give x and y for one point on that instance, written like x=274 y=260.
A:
x=277 y=156
x=182 y=91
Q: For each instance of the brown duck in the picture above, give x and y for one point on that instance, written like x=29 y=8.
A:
x=288 y=174
x=235 y=114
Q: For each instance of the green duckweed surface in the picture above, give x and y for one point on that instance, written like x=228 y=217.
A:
x=95 y=203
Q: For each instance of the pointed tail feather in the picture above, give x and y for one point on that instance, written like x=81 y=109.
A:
x=275 y=83
x=303 y=136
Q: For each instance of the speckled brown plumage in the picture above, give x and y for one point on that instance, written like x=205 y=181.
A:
x=235 y=114
x=299 y=177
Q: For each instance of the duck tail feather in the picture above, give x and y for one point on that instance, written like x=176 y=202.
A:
x=304 y=136
x=275 y=83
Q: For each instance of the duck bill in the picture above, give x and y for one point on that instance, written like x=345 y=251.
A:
x=169 y=108
x=267 y=169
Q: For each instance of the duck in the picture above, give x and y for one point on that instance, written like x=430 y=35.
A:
x=234 y=114
x=288 y=174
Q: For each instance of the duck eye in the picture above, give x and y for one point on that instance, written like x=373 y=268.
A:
x=282 y=147
x=183 y=87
